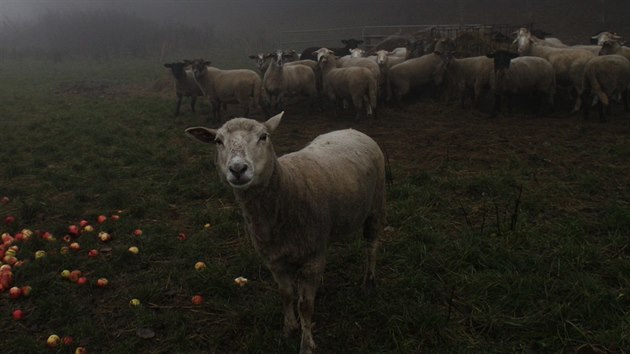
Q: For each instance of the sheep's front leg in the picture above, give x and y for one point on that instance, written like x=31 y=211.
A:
x=179 y=103
x=286 y=286
x=310 y=278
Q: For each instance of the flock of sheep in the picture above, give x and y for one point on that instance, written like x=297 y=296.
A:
x=296 y=204
x=597 y=73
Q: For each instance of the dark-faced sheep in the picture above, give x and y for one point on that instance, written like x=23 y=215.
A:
x=185 y=85
x=297 y=204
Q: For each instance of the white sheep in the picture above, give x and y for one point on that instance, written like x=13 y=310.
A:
x=411 y=74
x=614 y=47
x=185 y=85
x=568 y=63
x=262 y=61
x=605 y=77
x=296 y=204
x=514 y=75
x=354 y=83
x=471 y=74
x=602 y=37
x=281 y=80
x=240 y=86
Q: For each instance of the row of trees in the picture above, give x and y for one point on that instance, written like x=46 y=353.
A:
x=99 y=35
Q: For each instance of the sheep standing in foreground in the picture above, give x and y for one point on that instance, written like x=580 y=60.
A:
x=240 y=86
x=605 y=77
x=185 y=85
x=354 y=83
x=281 y=80
x=296 y=204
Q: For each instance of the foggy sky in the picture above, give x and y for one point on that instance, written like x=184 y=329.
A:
x=280 y=15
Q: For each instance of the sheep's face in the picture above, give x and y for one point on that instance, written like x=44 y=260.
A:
x=244 y=153
x=178 y=70
x=381 y=58
x=523 y=41
x=357 y=53
x=603 y=37
x=199 y=67
x=609 y=47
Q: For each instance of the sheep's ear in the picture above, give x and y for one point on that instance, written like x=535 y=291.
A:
x=272 y=123
x=205 y=135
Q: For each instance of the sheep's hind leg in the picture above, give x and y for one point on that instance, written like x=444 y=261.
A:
x=310 y=278
x=286 y=286
x=371 y=228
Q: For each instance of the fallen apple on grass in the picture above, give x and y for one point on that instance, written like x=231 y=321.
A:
x=101 y=219
x=74 y=275
x=75 y=246
x=67 y=340
x=17 y=314
x=200 y=266
x=133 y=250
x=15 y=292
x=93 y=253
x=53 y=341
x=40 y=254
x=102 y=282
x=137 y=232
x=134 y=302
x=104 y=236
x=82 y=281
x=73 y=230
x=197 y=300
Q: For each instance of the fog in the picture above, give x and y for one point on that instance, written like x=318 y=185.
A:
x=165 y=27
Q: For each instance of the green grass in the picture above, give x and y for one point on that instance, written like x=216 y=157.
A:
x=456 y=273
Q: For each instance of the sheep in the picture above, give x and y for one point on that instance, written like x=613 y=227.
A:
x=316 y=69
x=605 y=77
x=262 y=62
x=349 y=44
x=412 y=73
x=604 y=36
x=280 y=80
x=467 y=74
x=185 y=85
x=296 y=204
x=520 y=75
x=354 y=53
x=568 y=63
x=240 y=86
x=614 y=47
x=356 y=83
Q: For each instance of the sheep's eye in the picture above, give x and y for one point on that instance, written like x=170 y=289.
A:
x=263 y=137
x=219 y=142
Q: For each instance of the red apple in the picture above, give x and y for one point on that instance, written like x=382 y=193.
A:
x=102 y=282
x=101 y=219
x=84 y=223
x=19 y=236
x=7 y=238
x=137 y=232
x=26 y=290
x=67 y=340
x=73 y=230
x=15 y=292
x=17 y=314
x=197 y=300
x=182 y=236
x=82 y=281
x=5 y=200
x=9 y=220
x=74 y=275
x=80 y=350
x=75 y=246
x=93 y=253
x=115 y=217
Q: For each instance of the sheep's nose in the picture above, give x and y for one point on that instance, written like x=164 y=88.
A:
x=238 y=168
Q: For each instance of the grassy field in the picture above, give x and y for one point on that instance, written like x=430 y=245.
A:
x=506 y=235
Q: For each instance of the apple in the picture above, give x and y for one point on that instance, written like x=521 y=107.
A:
x=64 y=250
x=200 y=266
x=15 y=292
x=197 y=300
x=182 y=236
x=80 y=350
x=48 y=236
x=17 y=314
x=5 y=200
x=53 y=341
x=75 y=246
x=65 y=274
x=115 y=217
x=9 y=260
x=102 y=282
x=73 y=230
x=19 y=237
x=207 y=226
x=104 y=236
x=5 y=268
x=137 y=232
x=9 y=220
x=7 y=238
x=93 y=253
x=134 y=250
x=74 y=275
x=27 y=233
x=26 y=290
x=67 y=340
x=134 y=302
x=101 y=219
x=82 y=281
x=40 y=254
x=84 y=223
x=88 y=228
x=240 y=281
